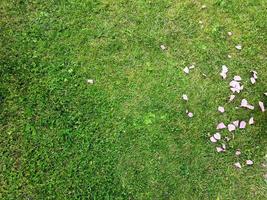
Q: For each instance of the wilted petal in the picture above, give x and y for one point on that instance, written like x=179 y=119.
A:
x=262 y=106
x=236 y=123
x=239 y=47
x=217 y=136
x=186 y=70
x=252 y=80
x=219 y=149
x=231 y=98
x=221 y=126
x=251 y=121
x=237 y=78
x=237 y=165
x=190 y=114
x=212 y=139
x=238 y=152
x=231 y=127
x=221 y=109
x=249 y=162
x=185 y=97
x=242 y=124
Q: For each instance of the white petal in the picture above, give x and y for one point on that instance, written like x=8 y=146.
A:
x=231 y=98
x=221 y=109
x=229 y=56
x=186 y=70
x=265 y=93
x=217 y=136
x=185 y=97
x=251 y=121
x=219 y=149
x=237 y=165
x=224 y=146
x=190 y=114
x=255 y=74
x=192 y=66
x=249 y=162
x=230 y=33
x=250 y=107
x=231 y=127
x=242 y=124
x=238 y=152
x=186 y=111
x=239 y=47
x=162 y=47
x=227 y=139
x=234 y=84
x=261 y=106
x=221 y=126
x=236 y=123
x=223 y=75
x=252 y=80
x=90 y=81
x=203 y=6
x=224 y=69
x=212 y=139
x=237 y=78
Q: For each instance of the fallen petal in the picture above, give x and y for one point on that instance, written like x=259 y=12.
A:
x=190 y=114
x=231 y=98
x=265 y=93
x=186 y=70
x=185 y=97
x=227 y=139
x=231 y=127
x=255 y=74
x=230 y=33
x=236 y=123
x=237 y=78
x=244 y=103
x=251 y=121
x=203 y=6
x=238 y=152
x=162 y=47
x=221 y=109
x=224 y=146
x=90 y=81
x=186 y=111
x=262 y=106
x=242 y=124
x=212 y=139
x=223 y=75
x=217 y=136
x=252 y=80
x=237 y=165
x=224 y=69
x=219 y=149
x=250 y=107
x=249 y=162
x=221 y=126
x=229 y=56
x=191 y=66
x=239 y=47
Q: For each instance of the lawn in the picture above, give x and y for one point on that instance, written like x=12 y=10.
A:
x=127 y=135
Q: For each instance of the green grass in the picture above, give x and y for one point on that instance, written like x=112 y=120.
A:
x=127 y=135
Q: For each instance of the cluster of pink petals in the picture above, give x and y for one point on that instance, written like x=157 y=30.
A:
x=236 y=86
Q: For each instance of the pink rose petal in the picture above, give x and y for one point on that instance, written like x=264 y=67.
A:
x=186 y=70
x=221 y=109
x=231 y=127
x=185 y=97
x=237 y=78
x=237 y=165
x=231 y=98
x=212 y=139
x=236 y=123
x=249 y=162
x=251 y=121
x=242 y=124
x=262 y=106
x=217 y=136
x=221 y=126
